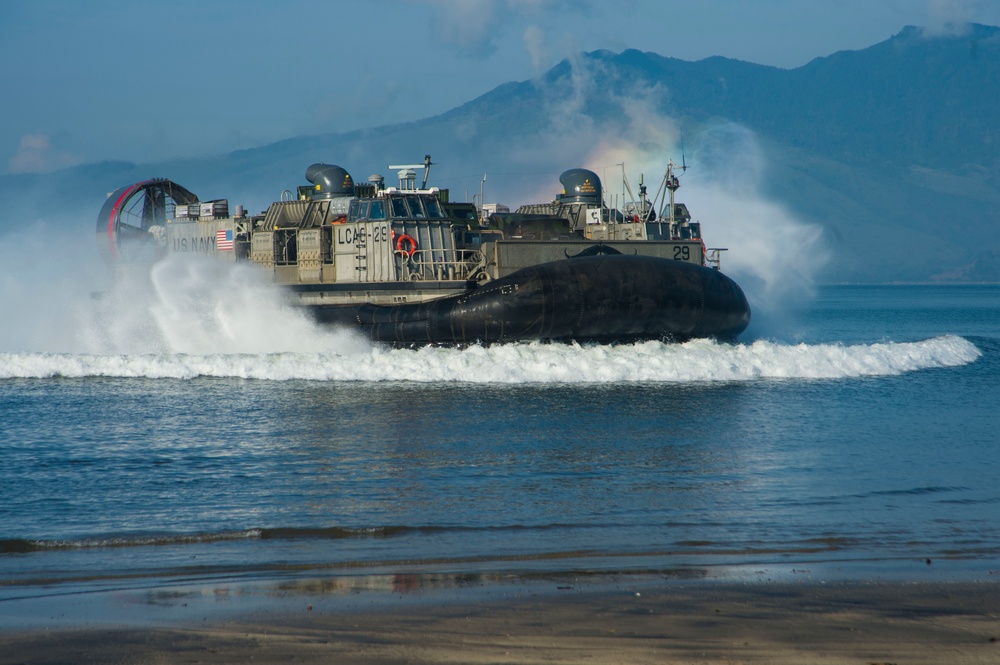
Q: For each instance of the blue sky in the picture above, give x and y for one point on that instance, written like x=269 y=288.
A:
x=91 y=80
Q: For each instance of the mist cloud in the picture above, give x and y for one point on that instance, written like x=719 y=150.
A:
x=534 y=43
x=36 y=154
x=773 y=254
x=468 y=27
x=473 y=28
x=950 y=17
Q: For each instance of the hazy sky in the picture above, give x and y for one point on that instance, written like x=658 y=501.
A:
x=90 y=80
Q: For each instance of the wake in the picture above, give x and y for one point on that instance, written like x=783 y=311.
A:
x=186 y=319
x=523 y=363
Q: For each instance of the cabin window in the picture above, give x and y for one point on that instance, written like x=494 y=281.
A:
x=416 y=207
x=399 y=208
x=352 y=213
x=433 y=208
x=378 y=210
x=363 y=207
x=468 y=214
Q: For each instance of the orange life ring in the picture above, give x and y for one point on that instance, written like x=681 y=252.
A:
x=410 y=243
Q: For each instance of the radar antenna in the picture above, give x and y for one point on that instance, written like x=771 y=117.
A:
x=405 y=171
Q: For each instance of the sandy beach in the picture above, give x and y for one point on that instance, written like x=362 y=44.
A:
x=547 y=622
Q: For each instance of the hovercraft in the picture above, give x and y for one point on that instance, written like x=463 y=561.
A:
x=405 y=265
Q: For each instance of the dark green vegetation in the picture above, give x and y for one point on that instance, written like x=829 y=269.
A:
x=893 y=150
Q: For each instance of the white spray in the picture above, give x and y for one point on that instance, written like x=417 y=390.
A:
x=773 y=255
x=187 y=318
x=60 y=298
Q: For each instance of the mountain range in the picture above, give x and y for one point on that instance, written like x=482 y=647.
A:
x=889 y=156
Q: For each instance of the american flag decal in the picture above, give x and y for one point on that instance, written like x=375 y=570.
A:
x=223 y=240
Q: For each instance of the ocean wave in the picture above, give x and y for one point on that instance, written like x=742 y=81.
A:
x=535 y=363
x=24 y=546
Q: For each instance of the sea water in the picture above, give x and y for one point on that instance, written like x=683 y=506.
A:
x=211 y=437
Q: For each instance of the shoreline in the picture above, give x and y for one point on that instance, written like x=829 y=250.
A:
x=606 y=620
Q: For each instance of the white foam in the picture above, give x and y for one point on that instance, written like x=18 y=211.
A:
x=209 y=307
x=532 y=363
x=200 y=318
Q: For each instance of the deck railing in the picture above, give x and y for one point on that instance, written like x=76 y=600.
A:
x=439 y=264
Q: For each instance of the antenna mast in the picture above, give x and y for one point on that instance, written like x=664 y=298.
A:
x=413 y=167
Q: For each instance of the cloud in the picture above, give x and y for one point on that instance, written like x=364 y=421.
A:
x=950 y=17
x=534 y=43
x=36 y=154
x=474 y=27
x=587 y=123
x=467 y=26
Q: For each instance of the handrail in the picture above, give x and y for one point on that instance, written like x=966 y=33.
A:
x=431 y=264
x=714 y=257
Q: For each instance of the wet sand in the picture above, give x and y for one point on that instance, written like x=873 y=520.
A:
x=545 y=622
